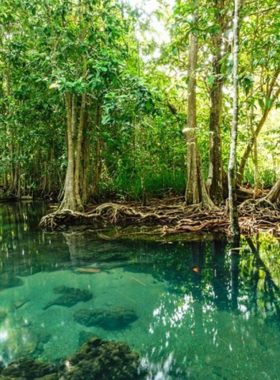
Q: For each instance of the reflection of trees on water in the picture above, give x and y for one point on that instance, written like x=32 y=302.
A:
x=234 y=270
x=227 y=277
x=205 y=271
x=24 y=249
x=212 y=316
x=264 y=290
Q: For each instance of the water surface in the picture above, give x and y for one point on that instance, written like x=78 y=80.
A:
x=200 y=311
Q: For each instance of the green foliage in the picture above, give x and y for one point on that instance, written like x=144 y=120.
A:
x=156 y=184
x=136 y=90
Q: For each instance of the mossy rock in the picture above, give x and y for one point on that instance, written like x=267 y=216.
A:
x=103 y=360
x=96 y=359
x=26 y=368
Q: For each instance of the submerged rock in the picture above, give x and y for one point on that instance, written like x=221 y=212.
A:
x=26 y=368
x=9 y=281
x=103 y=360
x=108 y=319
x=96 y=359
x=69 y=297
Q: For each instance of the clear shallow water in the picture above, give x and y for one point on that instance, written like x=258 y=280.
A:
x=201 y=312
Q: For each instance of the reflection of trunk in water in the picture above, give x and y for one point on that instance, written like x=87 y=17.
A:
x=234 y=269
x=18 y=244
x=254 y=276
x=219 y=277
x=271 y=290
x=198 y=262
x=76 y=244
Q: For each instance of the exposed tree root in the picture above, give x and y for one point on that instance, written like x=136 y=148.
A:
x=166 y=218
x=252 y=205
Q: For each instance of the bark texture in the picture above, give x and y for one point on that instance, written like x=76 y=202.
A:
x=98 y=164
x=274 y=193
x=71 y=199
x=215 y=173
x=196 y=191
x=234 y=227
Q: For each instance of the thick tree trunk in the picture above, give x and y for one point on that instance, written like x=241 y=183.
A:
x=233 y=212
x=196 y=191
x=71 y=199
x=215 y=173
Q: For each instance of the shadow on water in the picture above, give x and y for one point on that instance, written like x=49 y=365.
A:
x=200 y=309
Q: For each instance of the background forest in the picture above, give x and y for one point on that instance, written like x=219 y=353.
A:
x=94 y=97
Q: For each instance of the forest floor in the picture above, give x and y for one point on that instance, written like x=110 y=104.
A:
x=168 y=216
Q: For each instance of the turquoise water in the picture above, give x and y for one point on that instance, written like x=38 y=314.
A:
x=199 y=311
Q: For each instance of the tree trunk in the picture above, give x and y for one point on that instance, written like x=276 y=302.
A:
x=234 y=226
x=79 y=147
x=85 y=164
x=255 y=155
x=98 y=160
x=196 y=191
x=71 y=199
x=13 y=172
x=215 y=173
x=274 y=193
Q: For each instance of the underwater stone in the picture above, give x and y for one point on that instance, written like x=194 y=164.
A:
x=109 y=319
x=96 y=359
x=69 y=297
x=26 y=368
